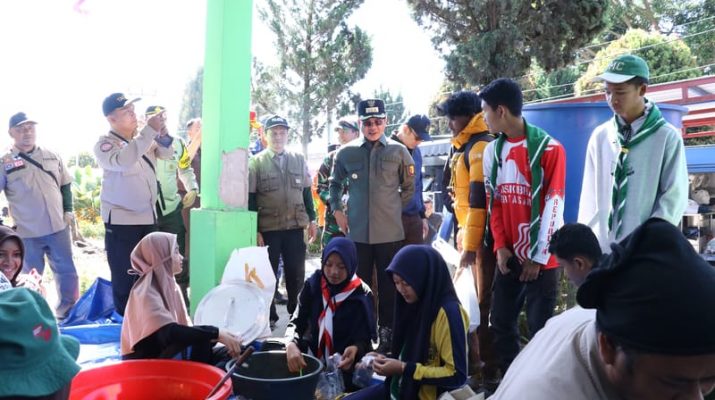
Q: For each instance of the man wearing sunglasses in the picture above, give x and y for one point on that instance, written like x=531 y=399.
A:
x=379 y=173
x=37 y=186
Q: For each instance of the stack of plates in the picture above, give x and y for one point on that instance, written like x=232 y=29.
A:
x=237 y=307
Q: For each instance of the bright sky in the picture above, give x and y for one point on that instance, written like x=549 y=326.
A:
x=60 y=63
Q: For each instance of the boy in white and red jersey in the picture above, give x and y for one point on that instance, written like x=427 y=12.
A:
x=524 y=170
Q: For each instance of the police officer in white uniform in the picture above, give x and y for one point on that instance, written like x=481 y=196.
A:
x=129 y=186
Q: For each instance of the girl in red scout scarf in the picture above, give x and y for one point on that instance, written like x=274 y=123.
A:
x=335 y=312
x=430 y=331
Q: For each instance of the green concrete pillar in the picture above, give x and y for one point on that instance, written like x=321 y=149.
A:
x=224 y=222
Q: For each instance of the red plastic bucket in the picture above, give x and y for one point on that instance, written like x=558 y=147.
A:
x=149 y=379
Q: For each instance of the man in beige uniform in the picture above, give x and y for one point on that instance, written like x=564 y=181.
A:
x=129 y=186
x=37 y=187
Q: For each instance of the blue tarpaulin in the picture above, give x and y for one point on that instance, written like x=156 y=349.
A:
x=94 y=322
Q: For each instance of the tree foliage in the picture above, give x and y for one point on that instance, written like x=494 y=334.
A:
x=665 y=58
x=394 y=108
x=539 y=84
x=485 y=39
x=695 y=20
x=320 y=56
x=690 y=19
x=265 y=93
x=86 y=188
x=193 y=100
x=265 y=90
x=83 y=159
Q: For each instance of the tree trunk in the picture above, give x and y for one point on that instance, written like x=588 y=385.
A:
x=330 y=105
x=307 y=102
x=650 y=15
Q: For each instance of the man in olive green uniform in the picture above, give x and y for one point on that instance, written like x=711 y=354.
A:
x=171 y=203
x=37 y=187
x=380 y=174
x=279 y=190
x=129 y=186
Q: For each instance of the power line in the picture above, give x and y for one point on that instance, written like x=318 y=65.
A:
x=647 y=47
x=672 y=28
x=599 y=89
x=601 y=58
x=475 y=88
x=617 y=54
x=625 y=51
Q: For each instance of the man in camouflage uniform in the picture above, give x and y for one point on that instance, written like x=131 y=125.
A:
x=347 y=131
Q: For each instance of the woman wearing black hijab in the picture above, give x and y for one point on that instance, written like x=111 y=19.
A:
x=335 y=312
x=430 y=332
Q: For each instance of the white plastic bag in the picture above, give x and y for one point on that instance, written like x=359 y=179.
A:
x=447 y=251
x=467 y=294
x=330 y=382
x=463 y=393
x=251 y=264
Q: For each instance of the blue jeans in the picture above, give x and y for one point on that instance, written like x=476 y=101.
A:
x=58 y=248
x=509 y=296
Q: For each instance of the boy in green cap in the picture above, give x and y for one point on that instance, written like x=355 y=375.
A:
x=635 y=162
x=36 y=362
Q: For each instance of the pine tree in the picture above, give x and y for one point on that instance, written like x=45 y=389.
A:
x=320 y=57
x=486 y=39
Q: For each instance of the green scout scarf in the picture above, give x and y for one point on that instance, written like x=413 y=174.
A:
x=654 y=120
x=536 y=141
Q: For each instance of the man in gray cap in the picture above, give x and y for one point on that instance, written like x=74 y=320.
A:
x=279 y=191
x=379 y=173
x=645 y=330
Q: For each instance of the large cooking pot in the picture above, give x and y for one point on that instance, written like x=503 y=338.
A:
x=149 y=379
x=265 y=376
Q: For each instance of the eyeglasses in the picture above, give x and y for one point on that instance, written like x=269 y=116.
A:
x=375 y=122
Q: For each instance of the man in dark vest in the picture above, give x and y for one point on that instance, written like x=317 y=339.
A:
x=279 y=190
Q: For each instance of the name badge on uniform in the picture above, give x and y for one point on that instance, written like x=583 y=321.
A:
x=13 y=164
